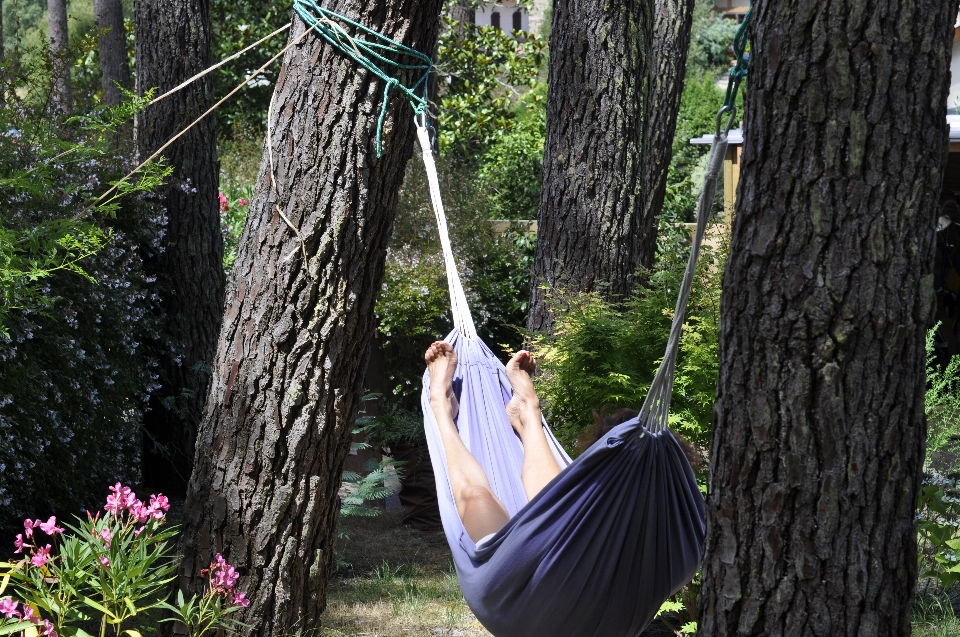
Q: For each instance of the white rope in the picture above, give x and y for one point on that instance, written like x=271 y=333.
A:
x=458 y=300
x=655 y=412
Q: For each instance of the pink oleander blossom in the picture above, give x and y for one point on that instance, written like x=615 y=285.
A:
x=41 y=556
x=104 y=561
x=141 y=512
x=224 y=205
x=160 y=502
x=20 y=544
x=239 y=599
x=28 y=526
x=48 y=630
x=106 y=535
x=29 y=615
x=243 y=202
x=120 y=499
x=50 y=527
x=223 y=577
x=8 y=608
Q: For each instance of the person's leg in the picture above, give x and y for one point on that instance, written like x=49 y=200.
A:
x=480 y=510
x=539 y=464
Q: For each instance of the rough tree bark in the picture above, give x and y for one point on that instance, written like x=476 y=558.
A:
x=112 y=46
x=671 y=42
x=296 y=334
x=819 y=428
x=591 y=200
x=59 y=39
x=173 y=44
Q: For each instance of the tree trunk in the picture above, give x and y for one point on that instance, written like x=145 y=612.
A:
x=671 y=41
x=296 y=336
x=112 y=44
x=173 y=44
x=819 y=431
x=591 y=200
x=59 y=39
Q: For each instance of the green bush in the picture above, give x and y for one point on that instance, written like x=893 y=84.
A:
x=604 y=353
x=943 y=411
x=74 y=374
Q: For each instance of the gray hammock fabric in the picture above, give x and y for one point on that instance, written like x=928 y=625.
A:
x=619 y=530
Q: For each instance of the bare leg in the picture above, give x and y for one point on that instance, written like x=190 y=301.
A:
x=480 y=510
x=539 y=465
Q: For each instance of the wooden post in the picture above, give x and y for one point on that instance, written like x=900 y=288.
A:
x=731 y=177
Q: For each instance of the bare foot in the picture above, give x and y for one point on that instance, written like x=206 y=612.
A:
x=442 y=363
x=524 y=406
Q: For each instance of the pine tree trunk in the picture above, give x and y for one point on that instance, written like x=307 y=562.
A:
x=671 y=41
x=591 y=200
x=173 y=44
x=828 y=291
x=296 y=337
x=59 y=39
x=112 y=46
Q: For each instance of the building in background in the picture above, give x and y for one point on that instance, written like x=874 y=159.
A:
x=734 y=9
x=507 y=15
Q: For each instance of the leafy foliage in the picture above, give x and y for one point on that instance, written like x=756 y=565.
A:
x=359 y=489
x=938 y=527
x=482 y=72
x=943 y=411
x=603 y=353
x=76 y=303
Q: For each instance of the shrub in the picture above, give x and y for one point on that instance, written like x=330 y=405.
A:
x=604 y=353
x=110 y=568
x=74 y=373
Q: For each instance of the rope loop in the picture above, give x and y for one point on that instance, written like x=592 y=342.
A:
x=371 y=50
x=737 y=73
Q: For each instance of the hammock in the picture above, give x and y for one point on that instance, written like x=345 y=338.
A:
x=619 y=530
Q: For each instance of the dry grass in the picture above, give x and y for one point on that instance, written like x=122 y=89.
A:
x=395 y=582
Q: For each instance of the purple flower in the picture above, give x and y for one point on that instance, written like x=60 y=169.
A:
x=9 y=608
x=40 y=557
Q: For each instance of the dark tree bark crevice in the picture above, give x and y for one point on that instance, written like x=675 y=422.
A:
x=295 y=341
x=173 y=44
x=591 y=200
x=819 y=422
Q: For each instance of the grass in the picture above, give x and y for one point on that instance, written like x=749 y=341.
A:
x=933 y=616
x=395 y=581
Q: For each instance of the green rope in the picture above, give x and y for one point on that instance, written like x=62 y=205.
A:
x=737 y=73
x=368 y=49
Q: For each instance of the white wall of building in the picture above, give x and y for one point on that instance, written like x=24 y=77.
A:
x=953 y=102
x=506 y=10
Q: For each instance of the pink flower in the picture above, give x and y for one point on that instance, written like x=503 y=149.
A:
x=223 y=577
x=142 y=513
x=104 y=561
x=120 y=499
x=48 y=630
x=106 y=535
x=41 y=556
x=20 y=544
x=50 y=527
x=239 y=599
x=9 y=608
x=224 y=205
x=243 y=202
x=160 y=501
x=29 y=615
x=28 y=526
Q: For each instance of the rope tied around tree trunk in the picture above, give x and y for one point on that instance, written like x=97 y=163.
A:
x=368 y=49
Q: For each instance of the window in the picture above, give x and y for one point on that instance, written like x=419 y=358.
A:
x=495 y=19
x=517 y=21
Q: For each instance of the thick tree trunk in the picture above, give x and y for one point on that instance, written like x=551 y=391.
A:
x=112 y=45
x=819 y=438
x=59 y=39
x=296 y=336
x=173 y=44
x=591 y=201
x=671 y=41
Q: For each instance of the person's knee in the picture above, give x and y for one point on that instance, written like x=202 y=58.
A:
x=474 y=495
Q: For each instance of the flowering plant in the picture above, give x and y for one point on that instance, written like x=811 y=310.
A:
x=111 y=566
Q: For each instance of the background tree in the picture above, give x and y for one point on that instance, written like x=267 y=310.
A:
x=59 y=40
x=295 y=341
x=819 y=420
x=671 y=42
x=591 y=197
x=173 y=44
x=112 y=45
